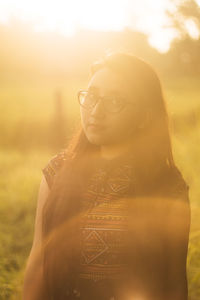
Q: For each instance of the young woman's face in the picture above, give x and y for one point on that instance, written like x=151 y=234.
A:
x=101 y=126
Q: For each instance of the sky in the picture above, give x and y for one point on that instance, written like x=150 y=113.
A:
x=67 y=16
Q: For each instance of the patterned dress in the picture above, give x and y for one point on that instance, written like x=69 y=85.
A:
x=103 y=226
x=159 y=251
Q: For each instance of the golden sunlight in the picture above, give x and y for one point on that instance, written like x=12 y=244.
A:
x=192 y=29
x=66 y=17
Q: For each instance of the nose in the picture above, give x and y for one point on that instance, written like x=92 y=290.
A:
x=98 y=110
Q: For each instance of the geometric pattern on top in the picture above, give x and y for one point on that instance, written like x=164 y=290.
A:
x=104 y=223
x=53 y=166
x=94 y=238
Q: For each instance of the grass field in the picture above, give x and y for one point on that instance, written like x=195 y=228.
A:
x=31 y=102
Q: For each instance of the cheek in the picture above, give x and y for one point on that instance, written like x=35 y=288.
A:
x=126 y=123
x=84 y=118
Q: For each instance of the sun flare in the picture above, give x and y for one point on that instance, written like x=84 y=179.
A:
x=66 y=17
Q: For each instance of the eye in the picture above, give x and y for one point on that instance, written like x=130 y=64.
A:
x=116 y=101
x=91 y=96
x=89 y=99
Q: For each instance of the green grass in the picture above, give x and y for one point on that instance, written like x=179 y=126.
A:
x=20 y=177
x=32 y=101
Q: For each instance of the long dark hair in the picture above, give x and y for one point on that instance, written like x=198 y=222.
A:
x=154 y=165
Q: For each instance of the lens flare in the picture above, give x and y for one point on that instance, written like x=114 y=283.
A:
x=66 y=17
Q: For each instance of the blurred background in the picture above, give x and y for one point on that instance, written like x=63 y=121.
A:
x=46 y=50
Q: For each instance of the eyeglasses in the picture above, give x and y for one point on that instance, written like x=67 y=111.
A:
x=112 y=103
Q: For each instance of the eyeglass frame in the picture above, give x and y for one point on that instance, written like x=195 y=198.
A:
x=99 y=97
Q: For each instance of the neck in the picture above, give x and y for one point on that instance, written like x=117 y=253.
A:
x=113 y=151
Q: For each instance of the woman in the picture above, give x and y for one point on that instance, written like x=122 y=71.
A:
x=113 y=213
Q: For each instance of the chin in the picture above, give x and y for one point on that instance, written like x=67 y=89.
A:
x=97 y=140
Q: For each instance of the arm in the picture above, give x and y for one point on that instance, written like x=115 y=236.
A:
x=33 y=279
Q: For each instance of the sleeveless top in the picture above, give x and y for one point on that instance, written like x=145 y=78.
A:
x=103 y=226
